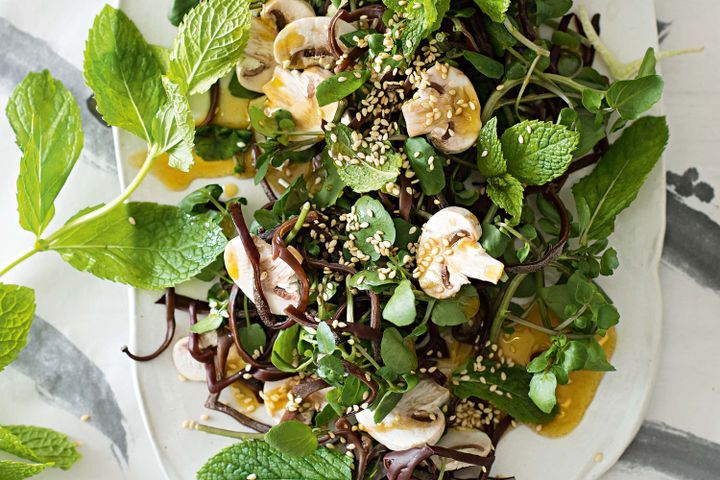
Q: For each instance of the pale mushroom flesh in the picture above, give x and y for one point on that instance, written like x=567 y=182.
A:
x=305 y=43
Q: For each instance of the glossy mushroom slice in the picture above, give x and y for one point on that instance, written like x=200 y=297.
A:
x=276 y=397
x=185 y=364
x=449 y=254
x=282 y=12
x=305 y=43
x=279 y=282
x=446 y=108
x=416 y=420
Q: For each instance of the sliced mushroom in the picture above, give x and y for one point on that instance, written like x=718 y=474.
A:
x=446 y=108
x=305 y=43
x=185 y=364
x=449 y=254
x=465 y=440
x=294 y=91
x=276 y=396
x=256 y=66
x=282 y=12
x=200 y=104
x=279 y=282
x=416 y=420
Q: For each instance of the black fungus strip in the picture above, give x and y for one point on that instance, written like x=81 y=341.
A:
x=169 y=332
x=525 y=23
x=279 y=249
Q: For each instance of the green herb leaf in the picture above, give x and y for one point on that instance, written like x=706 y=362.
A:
x=507 y=193
x=395 y=352
x=48 y=446
x=385 y=406
x=372 y=212
x=419 y=153
x=421 y=22
x=647 y=67
x=10 y=470
x=17 y=309
x=237 y=90
x=400 y=308
x=46 y=122
x=632 y=98
x=200 y=200
x=615 y=182
x=547 y=9
x=208 y=324
x=325 y=338
x=489 y=67
x=495 y=9
x=292 y=438
x=209 y=44
x=173 y=128
x=331 y=185
x=538 y=152
x=289 y=204
x=252 y=337
x=284 y=350
x=542 y=391
x=124 y=73
x=165 y=246
x=493 y=240
x=457 y=310
x=340 y=86
x=490 y=159
x=512 y=380
x=363 y=176
x=609 y=261
x=11 y=444
x=220 y=143
x=178 y=10
x=258 y=458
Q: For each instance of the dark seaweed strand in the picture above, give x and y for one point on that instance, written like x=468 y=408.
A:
x=358 y=373
x=214 y=100
x=182 y=303
x=401 y=465
x=556 y=49
x=279 y=249
x=169 y=332
x=525 y=23
x=362 y=445
x=406 y=198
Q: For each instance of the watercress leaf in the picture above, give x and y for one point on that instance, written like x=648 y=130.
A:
x=213 y=142
x=489 y=67
x=403 y=237
x=507 y=193
x=647 y=67
x=173 y=128
x=208 y=324
x=385 y=406
x=123 y=72
x=325 y=338
x=490 y=159
x=538 y=152
x=591 y=129
x=371 y=212
x=17 y=308
x=46 y=121
x=574 y=356
x=141 y=244
x=596 y=358
x=252 y=337
x=616 y=180
x=284 y=350
x=609 y=262
x=567 y=117
x=542 y=391
x=400 y=308
x=493 y=240
x=565 y=39
x=508 y=380
x=237 y=90
x=48 y=446
x=11 y=470
x=607 y=317
x=362 y=176
x=340 y=86
x=396 y=353
x=370 y=280
x=353 y=391
x=200 y=200
x=325 y=416
x=547 y=9
x=259 y=458
x=541 y=362
x=331 y=186
x=457 y=310
x=632 y=98
x=292 y=438
x=419 y=153
x=592 y=100
x=495 y=9
x=209 y=44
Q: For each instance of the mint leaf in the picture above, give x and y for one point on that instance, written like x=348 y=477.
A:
x=538 y=152
x=123 y=72
x=489 y=67
x=145 y=245
x=507 y=193
x=490 y=159
x=209 y=44
x=360 y=175
x=430 y=174
x=17 y=308
x=400 y=308
x=371 y=218
x=421 y=22
x=507 y=380
x=616 y=180
x=48 y=446
x=10 y=470
x=542 y=391
x=292 y=438
x=395 y=352
x=11 y=444
x=257 y=457
x=632 y=98
x=340 y=86
x=495 y=9
x=46 y=122
x=174 y=128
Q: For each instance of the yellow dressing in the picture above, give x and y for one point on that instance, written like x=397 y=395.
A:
x=573 y=398
x=231 y=111
x=244 y=396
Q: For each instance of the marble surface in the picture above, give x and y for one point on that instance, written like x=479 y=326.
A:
x=73 y=366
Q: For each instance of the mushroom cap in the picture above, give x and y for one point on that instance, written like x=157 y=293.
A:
x=275 y=396
x=448 y=253
x=447 y=108
x=416 y=419
x=257 y=64
x=279 y=282
x=200 y=106
x=465 y=440
x=294 y=91
x=185 y=364
x=282 y=12
x=305 y=43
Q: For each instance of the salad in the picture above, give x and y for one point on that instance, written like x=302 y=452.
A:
x=442 y=182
